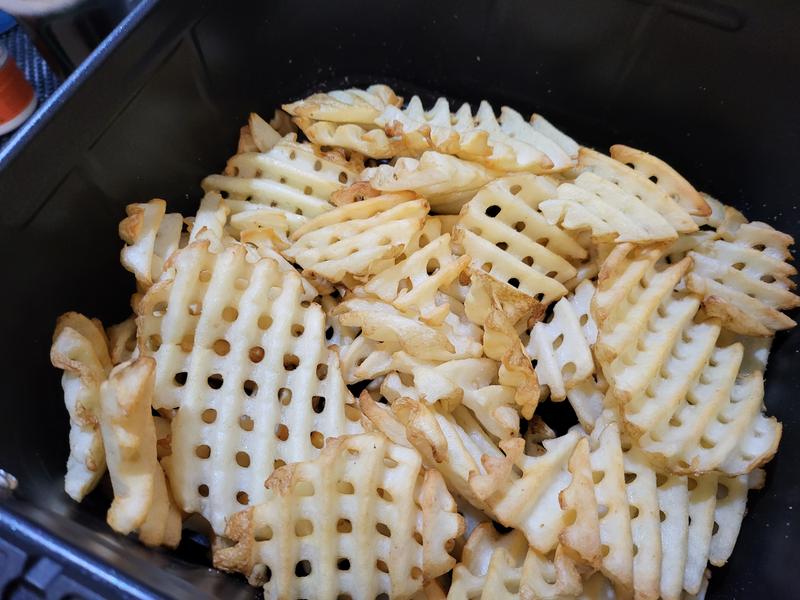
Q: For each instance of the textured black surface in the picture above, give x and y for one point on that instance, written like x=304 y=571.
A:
x=709 y=86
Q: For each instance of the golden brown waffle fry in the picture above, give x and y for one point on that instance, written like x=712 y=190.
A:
x=296 y=178
x=346 y=106
x=489 y=303
x=445 y=181
x=667 y=178
x=141 y=498
x=241 y=350
x=359 y=239
x=607 y=210
x=507 y=142
x=744 y=278
x=363 y=519
x=151 y=236
x=495 y=566
x=637 y=184
x=80 y=349
x=411 y=285
x=372 y=142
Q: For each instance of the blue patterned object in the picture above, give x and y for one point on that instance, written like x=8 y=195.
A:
x=6 y=21
x=36 y=71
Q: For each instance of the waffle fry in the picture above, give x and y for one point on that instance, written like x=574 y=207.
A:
x=744 y=278
x=493 y=565
x=480 y=264
x=346 y=106
x=446 y=182
x=296 y=178
x=151 y=236
x=489 y=303
x=209 y=223
x=560 y=348
x=122 y=341
x=558 y=508
x=369 y=142
x=359 y=239
x=637 y=184
x=667 y=178
x=718 y=424
x=607 y=210
x=411 y=285
x=507 y=142
x=471 y=382
x=141 y=498
x=503 y=214
x=392 y=529
x=249 y=368
x=80 y=349
x=588 y=399
x=659 y=529
x=634 y=299
x=454 y=338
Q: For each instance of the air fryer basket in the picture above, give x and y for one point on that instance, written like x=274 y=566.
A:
x=710 y=86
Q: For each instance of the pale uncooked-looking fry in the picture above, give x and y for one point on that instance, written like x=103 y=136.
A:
x=607 y=210
x=241 y=350
x=507 y=230
x=473 y=382
x=358 y=240
x=667 y=178
x=365 y=518
x=80 y=349
x=638 y=185
x=412 y=284
x=455 y=337
x=505 y=567
x=744 y=278
x=122 y=341
x=445 y=181
x=560 y=348
x=151 y=236
x=142 y=502
x=296 y=178
x=548 y=497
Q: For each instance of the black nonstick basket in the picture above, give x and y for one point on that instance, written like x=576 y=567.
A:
x=711 y=86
